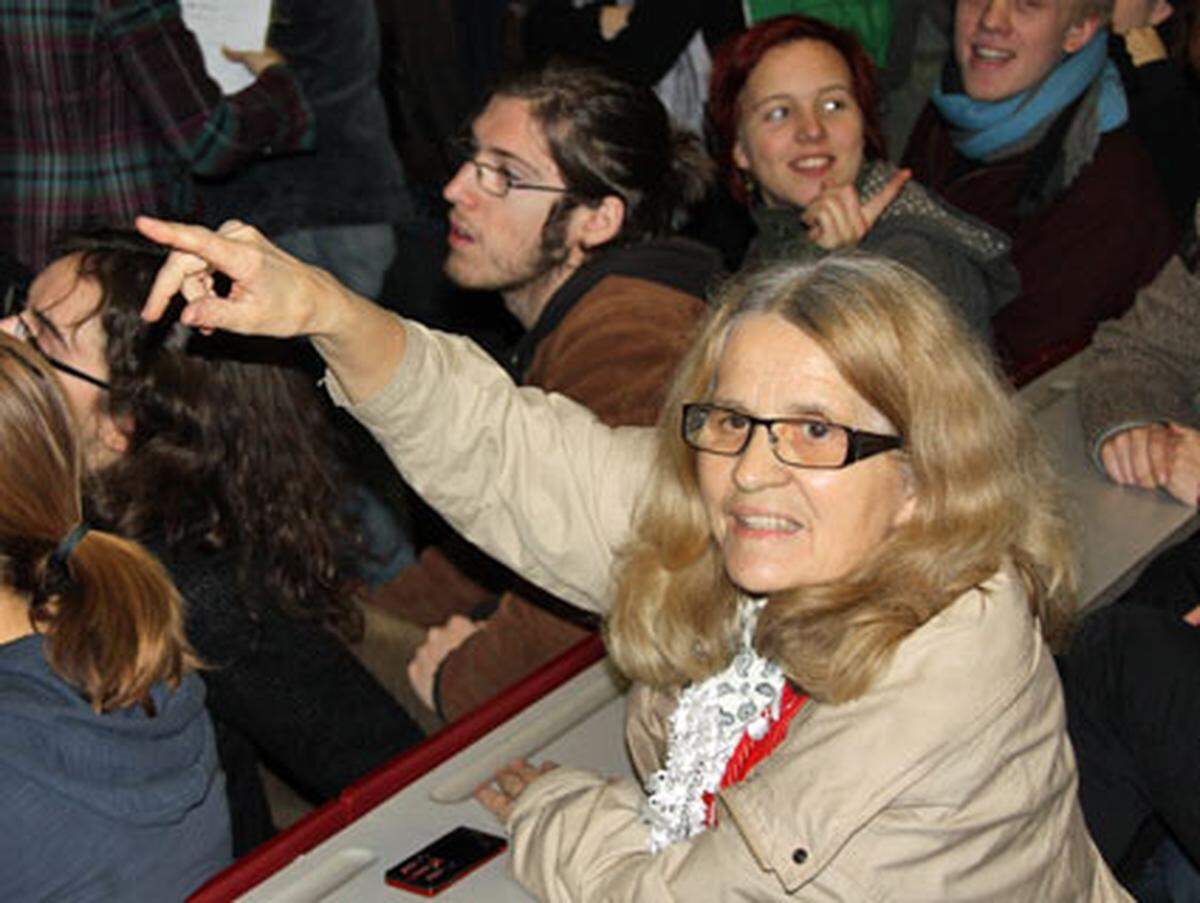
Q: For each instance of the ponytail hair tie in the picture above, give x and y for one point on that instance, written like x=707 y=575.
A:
x=62 y=552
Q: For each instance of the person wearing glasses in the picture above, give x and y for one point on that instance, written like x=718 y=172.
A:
x=108 y=768
x=218 y=456
x=833 y=577
x=570 y=186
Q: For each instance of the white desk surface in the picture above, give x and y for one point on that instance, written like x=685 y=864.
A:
x=581 y=723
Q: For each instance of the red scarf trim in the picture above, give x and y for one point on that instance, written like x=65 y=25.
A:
x=750 y=752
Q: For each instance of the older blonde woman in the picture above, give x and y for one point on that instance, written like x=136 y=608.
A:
x=832 y=595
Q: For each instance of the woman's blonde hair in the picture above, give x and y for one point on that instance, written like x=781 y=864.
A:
x=112 y=619
x=986 y=496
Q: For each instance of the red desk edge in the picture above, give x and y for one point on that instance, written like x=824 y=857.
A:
x=387 y=780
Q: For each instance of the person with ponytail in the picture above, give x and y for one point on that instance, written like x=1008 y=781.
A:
x=793 y=104
x=219 y=456
x=571 y=186
x=108 y=764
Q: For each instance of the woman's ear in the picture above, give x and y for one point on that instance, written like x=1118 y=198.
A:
x=113 y=433
x=740 y=158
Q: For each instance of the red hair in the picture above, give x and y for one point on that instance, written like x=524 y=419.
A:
x=737 y=59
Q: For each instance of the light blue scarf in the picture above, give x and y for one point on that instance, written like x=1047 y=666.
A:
x=984 y=127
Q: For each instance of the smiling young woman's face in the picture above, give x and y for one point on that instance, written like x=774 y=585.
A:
x=800 y=128
x=781 y=527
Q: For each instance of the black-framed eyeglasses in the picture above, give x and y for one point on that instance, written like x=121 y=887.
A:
x=25 y=334
x=795 y=441
x=492 y=179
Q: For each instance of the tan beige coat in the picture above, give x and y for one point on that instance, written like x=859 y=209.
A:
x=951 y=779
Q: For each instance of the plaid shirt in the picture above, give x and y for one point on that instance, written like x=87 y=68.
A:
x=105 y=108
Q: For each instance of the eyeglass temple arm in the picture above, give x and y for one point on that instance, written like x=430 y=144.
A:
x=864 y=445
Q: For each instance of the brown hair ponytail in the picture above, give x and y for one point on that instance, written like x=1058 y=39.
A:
x=112 y=619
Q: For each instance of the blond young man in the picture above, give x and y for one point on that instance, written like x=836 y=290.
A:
x=1028 y=131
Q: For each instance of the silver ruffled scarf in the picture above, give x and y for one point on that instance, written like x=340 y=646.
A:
x=705 y=729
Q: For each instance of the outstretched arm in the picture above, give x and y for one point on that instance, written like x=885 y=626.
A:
x=532 y=478
x=274 y=294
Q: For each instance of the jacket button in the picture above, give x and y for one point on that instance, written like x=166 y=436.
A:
x=799 y=855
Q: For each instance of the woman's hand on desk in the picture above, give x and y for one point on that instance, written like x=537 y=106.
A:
x=508 y=784
x=1156 y=455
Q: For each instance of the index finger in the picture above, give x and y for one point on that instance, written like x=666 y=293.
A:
x=191 y=246
x=872 y=209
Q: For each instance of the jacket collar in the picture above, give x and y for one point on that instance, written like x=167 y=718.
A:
x=841 y=765
x=677 y=263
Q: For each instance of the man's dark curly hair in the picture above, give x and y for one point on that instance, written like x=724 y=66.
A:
x=230 y=447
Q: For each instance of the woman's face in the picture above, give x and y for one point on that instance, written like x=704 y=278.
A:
x=781 y=527
x=800 y=128
x=59 y=317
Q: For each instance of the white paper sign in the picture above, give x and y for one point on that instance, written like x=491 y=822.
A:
x=236 y=24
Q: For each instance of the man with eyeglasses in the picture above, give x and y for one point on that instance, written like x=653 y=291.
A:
x=571 y=185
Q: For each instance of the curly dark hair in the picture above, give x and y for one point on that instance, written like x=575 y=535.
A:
x=229 y=445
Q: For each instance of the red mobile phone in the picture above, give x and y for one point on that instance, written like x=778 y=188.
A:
x=432 y=869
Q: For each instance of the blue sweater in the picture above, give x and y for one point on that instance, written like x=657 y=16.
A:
x=108 y=807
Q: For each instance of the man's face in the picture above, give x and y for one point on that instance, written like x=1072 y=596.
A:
x=495 y=243
x=1004 y=47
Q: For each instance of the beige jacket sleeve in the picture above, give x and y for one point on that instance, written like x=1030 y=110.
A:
x=533 y=479
x=578 y=837
x=959 y=750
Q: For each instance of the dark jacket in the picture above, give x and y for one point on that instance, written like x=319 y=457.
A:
x=1081 y=254
x=1164 y=112
x=353 y=176
x=281 y=690
x=109 y=807
x=646 y=49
